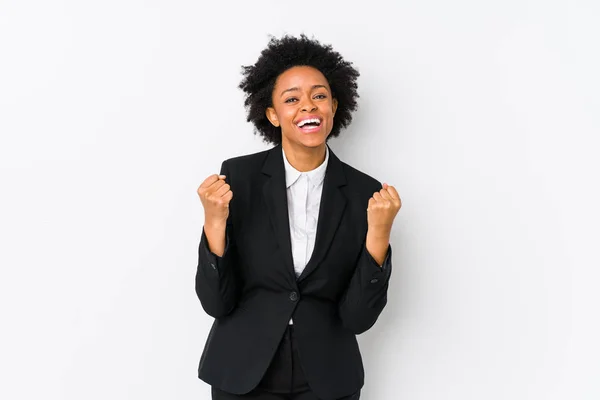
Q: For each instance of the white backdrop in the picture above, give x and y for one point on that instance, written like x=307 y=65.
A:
x=484 y=115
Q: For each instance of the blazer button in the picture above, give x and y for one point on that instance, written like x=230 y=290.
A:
x=374 y=280
x=293 y=296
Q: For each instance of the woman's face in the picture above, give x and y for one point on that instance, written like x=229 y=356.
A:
x=303 y=107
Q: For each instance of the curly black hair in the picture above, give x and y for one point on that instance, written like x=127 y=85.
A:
x=283 y=54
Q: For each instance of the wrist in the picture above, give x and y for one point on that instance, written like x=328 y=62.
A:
x=379 y=231
x=215 y=224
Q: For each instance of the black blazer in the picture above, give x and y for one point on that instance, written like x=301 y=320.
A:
x=252 y=290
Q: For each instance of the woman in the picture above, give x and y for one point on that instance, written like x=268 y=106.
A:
x=294 y=258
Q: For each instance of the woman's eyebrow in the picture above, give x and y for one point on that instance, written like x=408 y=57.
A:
x=295 y=89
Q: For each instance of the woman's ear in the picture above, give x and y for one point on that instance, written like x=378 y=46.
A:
x=272 y=116
x=334 y=105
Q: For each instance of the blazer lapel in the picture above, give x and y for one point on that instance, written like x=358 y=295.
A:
x=333 y=203
x=275 y=195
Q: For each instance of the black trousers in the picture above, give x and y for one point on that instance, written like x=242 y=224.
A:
x=284 y=379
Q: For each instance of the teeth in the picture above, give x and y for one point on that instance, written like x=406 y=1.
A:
x=306 y=121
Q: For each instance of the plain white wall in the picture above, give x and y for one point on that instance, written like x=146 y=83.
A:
x=484 y=115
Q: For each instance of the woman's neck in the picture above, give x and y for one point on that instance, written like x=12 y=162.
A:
x=304 y=158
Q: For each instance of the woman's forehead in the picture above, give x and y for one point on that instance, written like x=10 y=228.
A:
x=301 y=76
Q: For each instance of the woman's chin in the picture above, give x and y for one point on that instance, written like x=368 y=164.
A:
x=313 y=139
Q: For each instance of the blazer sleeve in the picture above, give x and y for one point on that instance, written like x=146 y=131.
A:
x=216 y=277
x=366 y=295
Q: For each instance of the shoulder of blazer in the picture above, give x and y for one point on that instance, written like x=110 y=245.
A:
x=243 y=168
x=246 y=161
x=360 y=181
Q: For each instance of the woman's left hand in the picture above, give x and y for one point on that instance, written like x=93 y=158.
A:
x=383 y=207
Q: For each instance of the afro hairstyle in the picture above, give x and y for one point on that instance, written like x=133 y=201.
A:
x=287 y=52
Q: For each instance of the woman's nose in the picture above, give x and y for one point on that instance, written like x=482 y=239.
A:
x=309 y=106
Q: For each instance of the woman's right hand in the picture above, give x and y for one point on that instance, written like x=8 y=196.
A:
x=215 y=195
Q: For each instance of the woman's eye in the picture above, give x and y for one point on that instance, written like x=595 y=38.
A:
x=290 y=99
x=320 y=96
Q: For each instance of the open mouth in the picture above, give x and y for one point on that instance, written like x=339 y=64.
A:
x=309 y=124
